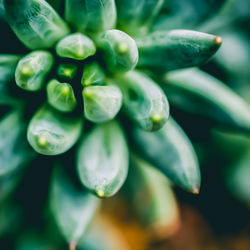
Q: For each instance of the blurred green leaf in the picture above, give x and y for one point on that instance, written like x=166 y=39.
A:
x=51 y=132
x=72 y=208
x=175 y=49
x=91 y=15
x=143 y=100
x=170 y=150
x=102 y=159
x=200 y=93
x=14 y=150
x=135 y=16
x=35 y=23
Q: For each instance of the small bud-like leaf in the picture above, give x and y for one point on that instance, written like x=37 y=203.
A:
x=35 y=23
x=51 y=132
x=66 y=71
x=200 y=93
x=32 y=70
x=91 y=16
x=175 y=49
x=92 y=75
x=144 y=101
x=170 y=150
x=72 y=208
x=102 y=159
x=76 y=46
x=61 y=96
x=101 y=103
x=120 y=50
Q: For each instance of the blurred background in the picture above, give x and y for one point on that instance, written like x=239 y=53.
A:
x=219 y=216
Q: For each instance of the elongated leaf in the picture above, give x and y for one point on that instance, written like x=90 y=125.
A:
x=101 y=103
x=72 y=208
x=120 y=50
x=51 y=132
x=144 y=101
x=14 y=150
x=102 y=160
x=136 y=15
x=153 y=198
x=169 y=50
x=186 y=13
x=35 y=23
x=93 y=75
x=170 y=150
x=200 y=93
x=61 y=96
x=76 y=46
x=32 y=70
x=91 y=15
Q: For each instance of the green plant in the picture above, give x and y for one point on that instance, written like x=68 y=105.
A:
x=96 y=87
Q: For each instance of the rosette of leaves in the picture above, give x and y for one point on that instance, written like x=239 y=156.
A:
x=94 y=86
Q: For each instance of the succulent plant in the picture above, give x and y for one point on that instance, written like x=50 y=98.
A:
x=92 y=95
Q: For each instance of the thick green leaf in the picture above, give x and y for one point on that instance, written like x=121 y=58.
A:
x=170 y=150
x=51 y=132
x=32 y=70
x=14 y=149
x=101 y=103
x=102 y=160
x=186 y=13
x=143 y=100
x=91 y=16
x=93 y=75
x=153 y=197
x=169 y=50
x=119 y=49
x=72 y=208
x=135 y=16
x=76 y=46
x=200 y=93
x=61 y=96
x=35 y=23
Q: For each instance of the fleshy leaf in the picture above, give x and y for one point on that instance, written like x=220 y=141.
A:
x=91 y=16
x=175 y=49
x=35 y=23
x=135 y=16
x=66 y=71
x=61 y=96
x=72 y=208
x=92 y=75
x=51 y=132
x=32 y=70
x=76 y=46
x=143 y=100
x=14 y=150
x=200 y=93
x=170 y=150
x=101 y=103
x=119 y=49
x=102 y=159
